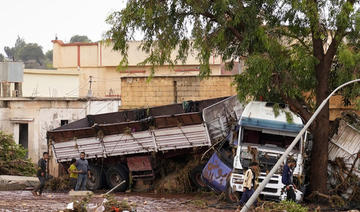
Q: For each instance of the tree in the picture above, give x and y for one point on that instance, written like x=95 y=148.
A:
x=32 y=51
x=2 y=58
x=295 y=50
x=14 y=52
x=79 y=38
x=49 y=55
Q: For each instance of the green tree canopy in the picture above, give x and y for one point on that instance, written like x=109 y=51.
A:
x=292 y=48
x=2 y=58
x=79 y=38
x=32 y=51
x=13 y=52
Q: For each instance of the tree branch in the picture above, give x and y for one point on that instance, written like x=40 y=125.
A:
x=339 y=35
x=296 y=105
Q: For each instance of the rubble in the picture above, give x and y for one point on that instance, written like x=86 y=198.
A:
x=9 y=182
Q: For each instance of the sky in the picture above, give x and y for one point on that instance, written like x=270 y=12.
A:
x=38 y=21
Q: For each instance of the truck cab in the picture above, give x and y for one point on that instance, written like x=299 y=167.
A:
x=263 y=136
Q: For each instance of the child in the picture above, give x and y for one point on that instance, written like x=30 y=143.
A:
x=73 y=174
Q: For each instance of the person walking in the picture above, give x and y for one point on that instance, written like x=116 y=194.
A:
x=249 y=183
x=287 y=179
x=83 y=166
x=41 y=174
x=73 y=172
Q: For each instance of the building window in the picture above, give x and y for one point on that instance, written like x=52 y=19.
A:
x=64 y=122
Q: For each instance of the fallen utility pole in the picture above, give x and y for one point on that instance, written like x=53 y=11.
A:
x=292 y=145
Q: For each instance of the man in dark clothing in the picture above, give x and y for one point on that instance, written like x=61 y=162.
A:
x=82 y=166
x=41 y=174
x=287 y=175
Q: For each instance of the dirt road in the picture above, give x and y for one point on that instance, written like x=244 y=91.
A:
x=25 y=201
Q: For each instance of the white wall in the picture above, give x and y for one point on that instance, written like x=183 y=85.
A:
x=50 y=83
x=97 y=107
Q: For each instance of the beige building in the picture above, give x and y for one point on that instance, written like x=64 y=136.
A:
x=101 y=63
x=50 y=83
x=28 y=119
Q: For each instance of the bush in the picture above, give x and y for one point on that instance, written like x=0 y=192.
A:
x=13 y=160
x=288 y=206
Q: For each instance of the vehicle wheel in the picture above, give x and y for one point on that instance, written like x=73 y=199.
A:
x=116 y=175
x=231 y=196
x=195 y=177
x=94 y=182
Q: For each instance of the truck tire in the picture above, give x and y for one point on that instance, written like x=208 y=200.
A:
x=94 y=182
x=195 y=177
x=231 y=196
x=115 y=175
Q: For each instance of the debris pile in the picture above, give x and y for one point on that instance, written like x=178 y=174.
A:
x=109 y=204
x=58 y=184
x=175 y=176
x=13 y=158
x=344 y=163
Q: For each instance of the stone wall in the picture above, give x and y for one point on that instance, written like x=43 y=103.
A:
x=140 y=92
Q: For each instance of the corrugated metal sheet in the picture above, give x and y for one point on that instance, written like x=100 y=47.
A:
x=346 y=144
x=220 y=116
x=181 y=137
x=11 y=71
x=136 y=142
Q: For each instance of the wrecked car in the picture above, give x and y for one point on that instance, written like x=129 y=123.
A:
x=260 y=135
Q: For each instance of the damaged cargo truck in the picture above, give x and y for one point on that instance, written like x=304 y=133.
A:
x=262 y=134
x=131 y=145
x=133 y=142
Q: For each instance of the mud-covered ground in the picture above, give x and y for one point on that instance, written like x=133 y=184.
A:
x=25 y=201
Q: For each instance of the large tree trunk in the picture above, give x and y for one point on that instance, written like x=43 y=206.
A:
x=319 y=154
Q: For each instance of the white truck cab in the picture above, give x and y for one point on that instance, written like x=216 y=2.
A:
x=264 y=136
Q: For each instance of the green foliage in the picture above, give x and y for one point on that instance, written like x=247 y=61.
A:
x=13 y=52
x=113 y=204
x=2 y=58
x=79 y=38
x=13 y=159
x=49 y=55
x=30 y=53
x=280 y=62
x=288 y=206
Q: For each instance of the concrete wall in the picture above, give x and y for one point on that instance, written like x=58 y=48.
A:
x=138 y=92
x=50 y=83
x=42 y=115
